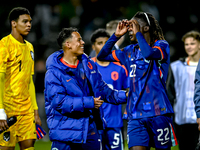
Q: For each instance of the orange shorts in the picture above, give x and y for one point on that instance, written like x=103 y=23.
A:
x=23 y=129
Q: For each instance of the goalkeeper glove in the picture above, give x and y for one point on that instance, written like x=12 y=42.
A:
x=40 y=132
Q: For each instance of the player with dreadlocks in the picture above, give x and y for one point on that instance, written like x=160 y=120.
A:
x=147 y=60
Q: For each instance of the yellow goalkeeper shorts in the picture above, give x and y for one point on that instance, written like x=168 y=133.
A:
x=23 y=129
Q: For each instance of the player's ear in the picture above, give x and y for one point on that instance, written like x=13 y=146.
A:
x=13 y=23
x=67 y=44
x=146 y=28
x=93 y=47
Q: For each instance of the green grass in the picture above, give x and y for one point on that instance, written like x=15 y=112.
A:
x=173 y=148
x=39 y=145
x=43 y=145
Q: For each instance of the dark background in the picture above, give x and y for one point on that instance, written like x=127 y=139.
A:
x=49 y=17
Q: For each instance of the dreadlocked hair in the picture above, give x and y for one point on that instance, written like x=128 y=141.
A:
x=155 y=30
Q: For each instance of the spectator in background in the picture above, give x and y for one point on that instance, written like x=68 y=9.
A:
x=110 y=28
x=180 y=87
x=73 y=92
x=116 y=76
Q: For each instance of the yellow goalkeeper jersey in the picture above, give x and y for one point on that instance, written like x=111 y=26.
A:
x=17 y=62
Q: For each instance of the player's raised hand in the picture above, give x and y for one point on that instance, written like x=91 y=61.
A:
x=98 y=102
x=122 y=28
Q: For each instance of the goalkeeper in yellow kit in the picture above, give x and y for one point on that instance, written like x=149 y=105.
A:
x=17 y=91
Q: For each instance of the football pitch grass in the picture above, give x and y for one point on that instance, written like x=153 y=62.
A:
x=46 y=145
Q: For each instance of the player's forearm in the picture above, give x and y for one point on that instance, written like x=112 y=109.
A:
x=32 y=94
x=107 y=48
x=2 y=84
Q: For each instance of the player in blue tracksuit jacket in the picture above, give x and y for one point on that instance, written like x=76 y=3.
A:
x=148 y=107
x=74 y=91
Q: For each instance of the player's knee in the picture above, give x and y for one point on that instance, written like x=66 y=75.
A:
x=30 y=148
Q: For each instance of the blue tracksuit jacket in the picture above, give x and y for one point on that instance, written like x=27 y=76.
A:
x=69 y=104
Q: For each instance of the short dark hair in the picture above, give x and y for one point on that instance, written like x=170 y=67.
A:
x=16 y=12
x=65 y=34
x=99 y=33
x=194 y=34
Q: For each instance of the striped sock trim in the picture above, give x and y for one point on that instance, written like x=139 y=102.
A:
x=173 y=136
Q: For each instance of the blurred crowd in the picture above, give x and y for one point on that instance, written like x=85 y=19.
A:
x=49 y=17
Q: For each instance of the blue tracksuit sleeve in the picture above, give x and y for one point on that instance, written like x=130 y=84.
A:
x=158 y=51
x=60 y=100
x=100 y=87
x=125 y=82
x=197 y=91
x=106 y=51
x=114 y=96
x=107 y=94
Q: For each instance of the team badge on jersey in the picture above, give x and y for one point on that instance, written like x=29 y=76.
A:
x=115 y=75
x=90 y=65
x=32 y=55
x=6 y=136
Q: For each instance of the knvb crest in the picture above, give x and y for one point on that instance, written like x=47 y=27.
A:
x=6 y=136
